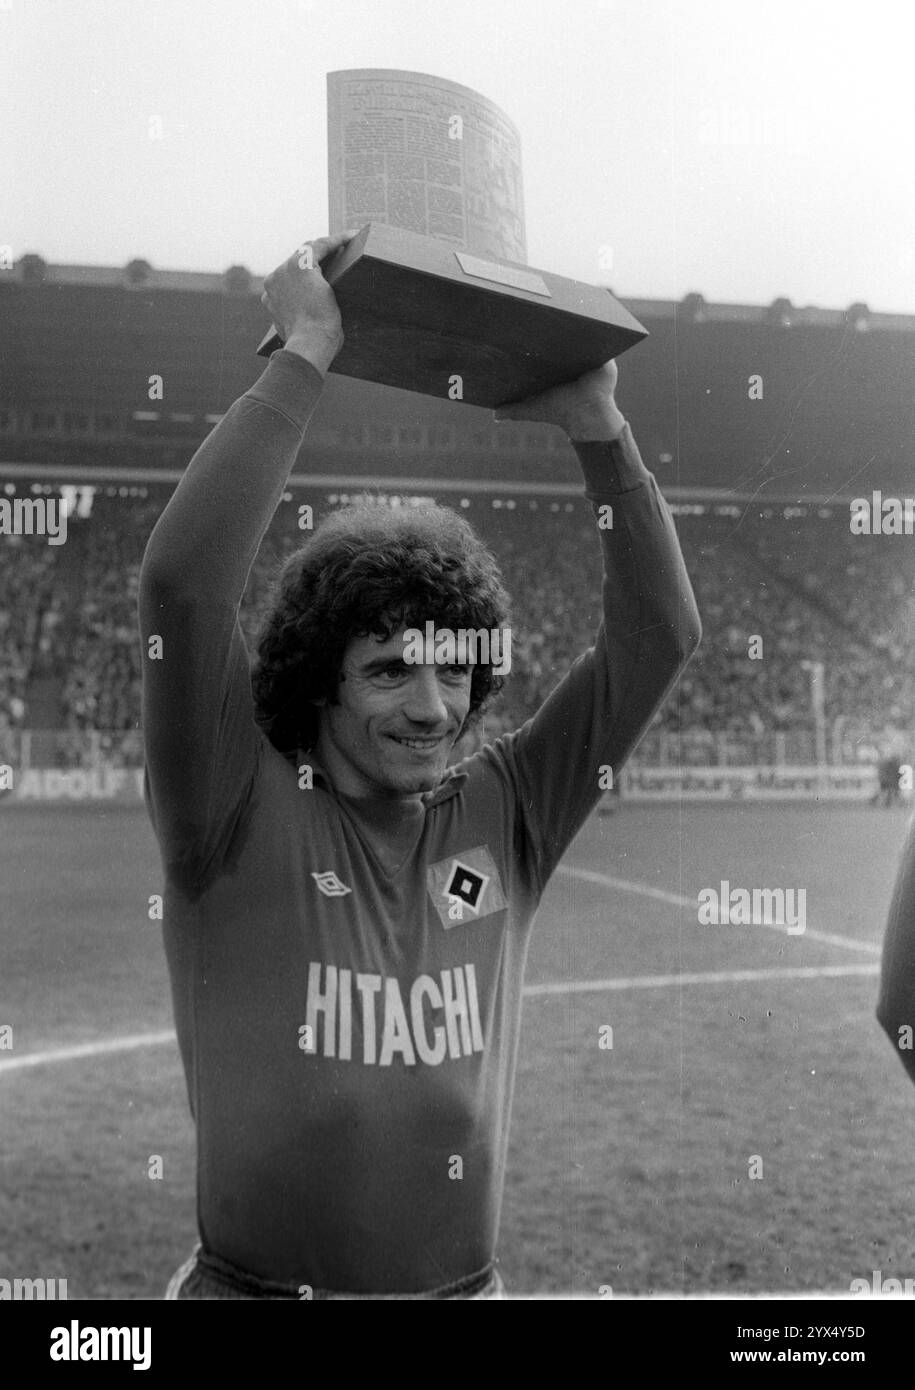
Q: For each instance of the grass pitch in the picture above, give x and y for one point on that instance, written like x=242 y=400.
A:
x=629 y=1166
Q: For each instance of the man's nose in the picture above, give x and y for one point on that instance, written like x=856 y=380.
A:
x=424 y=702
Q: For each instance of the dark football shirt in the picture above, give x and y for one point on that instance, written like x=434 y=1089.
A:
x=347 y=974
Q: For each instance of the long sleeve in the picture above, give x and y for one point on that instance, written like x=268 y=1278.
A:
x=896 y=1006
x=650 y=628
x=202 y=742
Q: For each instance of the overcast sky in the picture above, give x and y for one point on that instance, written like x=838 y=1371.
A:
x=741 y=150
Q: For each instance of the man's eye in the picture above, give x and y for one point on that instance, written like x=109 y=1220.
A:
x=457 y=672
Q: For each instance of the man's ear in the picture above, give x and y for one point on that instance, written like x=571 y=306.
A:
x=321 y=702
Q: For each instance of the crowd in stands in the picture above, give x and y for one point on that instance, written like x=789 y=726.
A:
x=29 y=614
x=101 y=673
x=774 y=591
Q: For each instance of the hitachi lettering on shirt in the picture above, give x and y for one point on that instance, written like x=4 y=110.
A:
x=482 y=646
x=438 y=1017
x=34 y=516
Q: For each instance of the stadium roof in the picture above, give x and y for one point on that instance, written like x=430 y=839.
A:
x=767 y=401
x=140 y=274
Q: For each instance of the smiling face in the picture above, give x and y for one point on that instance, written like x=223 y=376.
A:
x=394 y=724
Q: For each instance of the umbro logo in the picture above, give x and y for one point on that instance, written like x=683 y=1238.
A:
x=330 y=885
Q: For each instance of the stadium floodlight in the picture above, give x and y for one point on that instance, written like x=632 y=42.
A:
x=817 y=672
x=692 y=308
x=237 y=280
x=781 y=313
x=137 y=272
x=33 y=269
x=858 y=317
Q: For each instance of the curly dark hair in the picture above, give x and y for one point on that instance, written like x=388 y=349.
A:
x=368 y=570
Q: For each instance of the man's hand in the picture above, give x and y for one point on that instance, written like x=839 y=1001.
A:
x=585 y=408
x=302 y=303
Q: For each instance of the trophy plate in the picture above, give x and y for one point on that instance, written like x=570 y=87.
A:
x=422 y=315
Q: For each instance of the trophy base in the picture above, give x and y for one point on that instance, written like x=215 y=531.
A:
x=423 y=316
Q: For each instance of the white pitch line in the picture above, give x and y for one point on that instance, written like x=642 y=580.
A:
x=709 y=977
x=92 y=1049
x=645 y=890
x=717 y=977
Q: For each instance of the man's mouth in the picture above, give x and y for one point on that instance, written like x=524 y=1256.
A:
x=418 y=745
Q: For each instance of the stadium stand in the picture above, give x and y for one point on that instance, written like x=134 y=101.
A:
x=804 y=585
x=760 y=480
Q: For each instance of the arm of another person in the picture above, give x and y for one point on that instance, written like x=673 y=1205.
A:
x=200 y=735
x=650 y=627
x=896 y=1004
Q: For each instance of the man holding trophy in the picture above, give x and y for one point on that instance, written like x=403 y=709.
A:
x=347 y=916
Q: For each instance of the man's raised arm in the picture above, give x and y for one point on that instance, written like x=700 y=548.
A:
x=586 y=729
x=198 y=716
